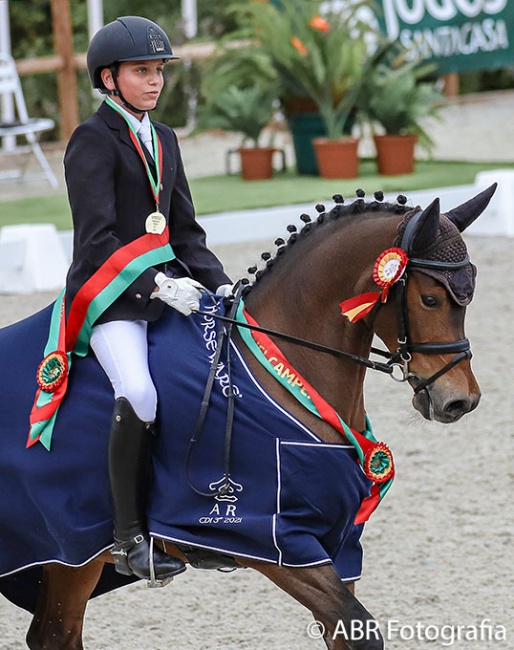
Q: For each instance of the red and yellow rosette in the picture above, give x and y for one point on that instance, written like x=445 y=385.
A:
x=388 y=269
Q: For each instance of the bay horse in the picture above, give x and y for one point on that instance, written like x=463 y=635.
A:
x=315 y=304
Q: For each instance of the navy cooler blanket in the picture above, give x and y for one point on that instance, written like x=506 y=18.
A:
x=292 y=498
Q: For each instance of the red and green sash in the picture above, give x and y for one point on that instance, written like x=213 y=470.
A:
x=155 y=181
x=375 y=457
x=97 y=294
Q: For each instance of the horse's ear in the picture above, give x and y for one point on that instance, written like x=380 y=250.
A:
x=425 y=227
x=464 y=215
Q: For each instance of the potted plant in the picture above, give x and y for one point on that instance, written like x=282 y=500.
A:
x=322 y=58
x=240 y=93
x=396 y=97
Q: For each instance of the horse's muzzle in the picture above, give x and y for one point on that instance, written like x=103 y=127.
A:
x=443 y=406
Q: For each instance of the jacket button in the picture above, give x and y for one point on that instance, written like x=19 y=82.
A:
x=138 y=296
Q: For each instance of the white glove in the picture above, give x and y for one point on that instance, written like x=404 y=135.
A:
x=183 y=294
x=225 y=291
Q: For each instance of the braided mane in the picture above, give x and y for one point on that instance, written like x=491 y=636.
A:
x=340 y=210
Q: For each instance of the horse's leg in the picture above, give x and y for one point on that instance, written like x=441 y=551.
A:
x=345 y=623
x=59 y=615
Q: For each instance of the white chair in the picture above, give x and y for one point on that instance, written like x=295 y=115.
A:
x=22 y=125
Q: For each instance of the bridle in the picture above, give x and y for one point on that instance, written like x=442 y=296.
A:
x=403 y=356
x=400 y=359
x=406 y=348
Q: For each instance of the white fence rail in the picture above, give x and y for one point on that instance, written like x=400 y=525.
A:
x=36 y=257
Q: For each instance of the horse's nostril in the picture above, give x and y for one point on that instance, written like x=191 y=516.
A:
x=457 y=408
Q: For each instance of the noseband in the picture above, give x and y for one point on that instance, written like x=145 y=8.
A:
x=406 y=348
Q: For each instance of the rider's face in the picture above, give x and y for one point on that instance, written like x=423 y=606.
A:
x=140 y=83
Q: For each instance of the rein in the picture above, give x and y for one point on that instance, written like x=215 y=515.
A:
x=374 y=457
x=403 y=355
x=318 y=347
x=400 y=359
x=223 y=487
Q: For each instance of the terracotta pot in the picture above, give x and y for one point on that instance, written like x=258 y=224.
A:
x=337 y=158
x=395 y=154
x=256 y=163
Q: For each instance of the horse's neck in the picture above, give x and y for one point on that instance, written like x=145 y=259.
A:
x=338 y=381
x=301 y=298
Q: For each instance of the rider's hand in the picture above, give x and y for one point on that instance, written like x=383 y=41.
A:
x=183 y=294
x=225 y=291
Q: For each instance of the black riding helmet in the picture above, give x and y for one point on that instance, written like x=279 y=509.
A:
x=129 y=38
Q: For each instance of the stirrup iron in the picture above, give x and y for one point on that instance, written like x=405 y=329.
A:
x=153 y=582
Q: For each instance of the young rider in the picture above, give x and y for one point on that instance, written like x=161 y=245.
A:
x=123 y=185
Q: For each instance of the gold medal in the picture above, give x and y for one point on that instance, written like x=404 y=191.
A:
x=155 y=223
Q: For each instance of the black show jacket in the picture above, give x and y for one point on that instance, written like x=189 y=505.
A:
x=110 y=198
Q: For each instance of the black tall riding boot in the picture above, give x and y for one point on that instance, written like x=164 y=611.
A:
x=129 y=468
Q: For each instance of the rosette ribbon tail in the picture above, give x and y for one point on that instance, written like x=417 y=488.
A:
x=359 y=306
x=377 y=464
x=43 y=415
x=52 y=379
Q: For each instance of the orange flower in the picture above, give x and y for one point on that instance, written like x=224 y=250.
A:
x=319 y=23
x=299 y=46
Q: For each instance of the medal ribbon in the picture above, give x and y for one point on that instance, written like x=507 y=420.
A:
x=155 y=182
x=272 y=359
x=95 y=296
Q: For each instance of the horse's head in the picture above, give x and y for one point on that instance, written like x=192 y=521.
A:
x=428 y=340
x=426 y=281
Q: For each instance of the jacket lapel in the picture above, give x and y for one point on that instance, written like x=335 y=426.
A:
x=117 y=123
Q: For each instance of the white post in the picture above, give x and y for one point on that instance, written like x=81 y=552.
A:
x=95 y=21
x=5 y=31
x=7 y=103
x=95 y=16
x=190 y=18
x=190 y=21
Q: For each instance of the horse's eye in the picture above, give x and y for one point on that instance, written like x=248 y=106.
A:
x=430 y=301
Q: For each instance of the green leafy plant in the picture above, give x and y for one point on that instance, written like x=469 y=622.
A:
x=397 y=96
x=243 y=110
x=240 y=90
x=325 y=58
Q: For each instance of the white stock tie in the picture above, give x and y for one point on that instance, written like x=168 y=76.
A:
x=145 y=135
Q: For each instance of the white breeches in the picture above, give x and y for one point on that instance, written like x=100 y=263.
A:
x=121 y=347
